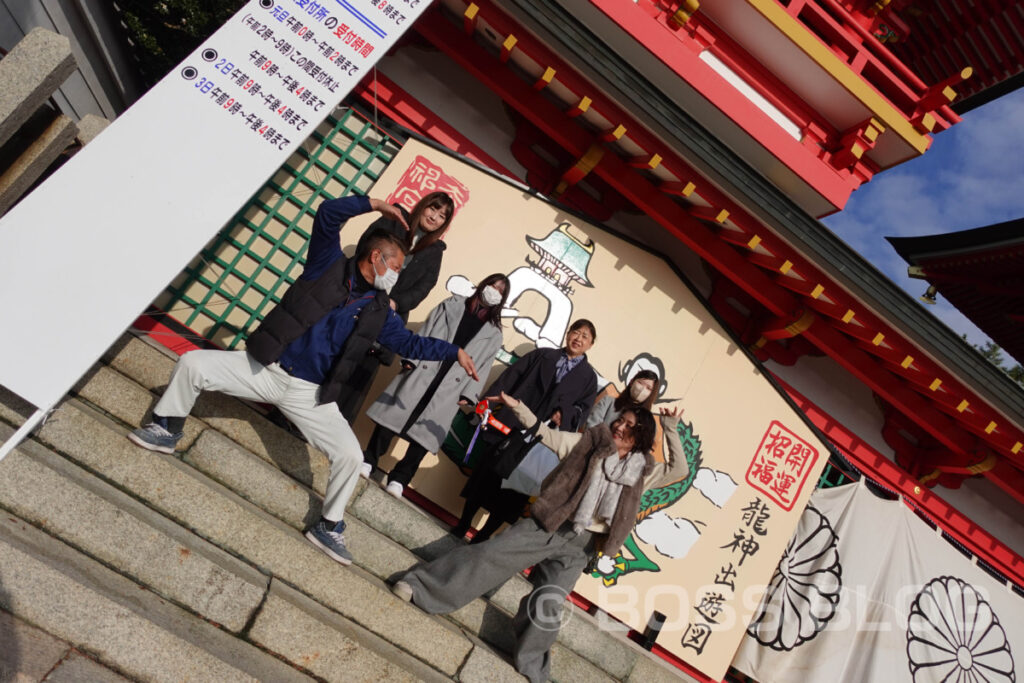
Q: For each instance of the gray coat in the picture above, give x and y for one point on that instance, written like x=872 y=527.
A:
x=393 y=408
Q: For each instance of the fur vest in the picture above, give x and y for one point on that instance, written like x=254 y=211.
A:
x=564 y=488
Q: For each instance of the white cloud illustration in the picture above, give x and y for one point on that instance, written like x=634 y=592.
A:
x=670 y=536
x=716 y=486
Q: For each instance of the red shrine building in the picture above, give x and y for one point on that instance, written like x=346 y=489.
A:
x=717 y=133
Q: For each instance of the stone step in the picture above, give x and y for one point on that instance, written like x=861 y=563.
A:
x=192 y=500
x=31 y=654
x=588 y=647
x=64 y=500
x=61 y=591
x=56 y=495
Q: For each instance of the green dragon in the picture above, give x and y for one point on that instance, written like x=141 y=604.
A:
x=653 y=500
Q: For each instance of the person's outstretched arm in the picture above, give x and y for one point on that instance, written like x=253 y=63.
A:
x=675 y=466
x=559 y=442
x=331 y=215
x=395 y=336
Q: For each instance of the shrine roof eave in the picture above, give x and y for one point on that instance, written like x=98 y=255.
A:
x=620 y=80
x=978 y=271
x=943 y=247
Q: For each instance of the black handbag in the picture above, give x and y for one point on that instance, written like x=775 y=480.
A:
x=512 y=449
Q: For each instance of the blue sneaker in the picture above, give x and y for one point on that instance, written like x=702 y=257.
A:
x=329 y=537
x=155 y=437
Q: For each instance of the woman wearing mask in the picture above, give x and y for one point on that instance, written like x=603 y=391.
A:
x=420 y=403
x=640 y=392
x=428 y=222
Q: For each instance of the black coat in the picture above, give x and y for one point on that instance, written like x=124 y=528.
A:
x=531 y=379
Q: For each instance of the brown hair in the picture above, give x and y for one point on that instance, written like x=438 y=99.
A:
x=645 y=429
x=625 y=399
x=434 y=200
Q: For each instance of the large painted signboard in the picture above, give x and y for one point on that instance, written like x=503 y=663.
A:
x=89 y=249
x=703 y=548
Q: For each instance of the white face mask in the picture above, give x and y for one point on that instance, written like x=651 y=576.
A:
x=387 y=280
x=639 y=392
x=490 y=296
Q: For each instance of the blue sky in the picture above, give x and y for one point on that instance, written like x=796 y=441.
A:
x=973 y=175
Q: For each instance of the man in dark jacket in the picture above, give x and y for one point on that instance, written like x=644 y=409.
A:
x=557 y=385
x=308 y=353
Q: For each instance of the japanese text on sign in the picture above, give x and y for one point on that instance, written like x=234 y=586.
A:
x=712 y=602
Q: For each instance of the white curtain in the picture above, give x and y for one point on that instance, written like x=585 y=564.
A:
x=866 y=591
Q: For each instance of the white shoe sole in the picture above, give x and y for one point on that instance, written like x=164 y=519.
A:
x=402 y=591
x=327 y=551
x=149 y=446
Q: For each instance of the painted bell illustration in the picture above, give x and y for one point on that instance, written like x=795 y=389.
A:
x=563 y=257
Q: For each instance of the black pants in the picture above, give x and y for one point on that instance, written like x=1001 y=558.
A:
x=483 y=490
x=406 y=468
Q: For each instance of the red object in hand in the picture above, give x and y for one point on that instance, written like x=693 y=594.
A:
x=484 y=408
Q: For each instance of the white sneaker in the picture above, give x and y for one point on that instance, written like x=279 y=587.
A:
x=395 y=489
x=365 y=470
x=402 y=590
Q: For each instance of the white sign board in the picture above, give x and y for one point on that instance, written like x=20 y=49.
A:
x=88 y=250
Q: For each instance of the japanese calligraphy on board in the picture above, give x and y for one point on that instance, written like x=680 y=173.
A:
x=703 y=547
x=278 y=63
x=192 y=150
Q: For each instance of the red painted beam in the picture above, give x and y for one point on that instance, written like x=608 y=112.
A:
x=667 y=46
x=548 y=118
x=398 y=105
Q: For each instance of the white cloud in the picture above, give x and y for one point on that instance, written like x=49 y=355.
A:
x=716 y=486
x=671 y=537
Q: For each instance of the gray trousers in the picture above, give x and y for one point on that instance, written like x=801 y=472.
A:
x=469 y=571
x=238 y=374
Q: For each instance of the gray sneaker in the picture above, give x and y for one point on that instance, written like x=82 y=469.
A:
x=155 y=438
x=329 y=537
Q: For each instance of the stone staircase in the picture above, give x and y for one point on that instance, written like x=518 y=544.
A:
x=116 y=562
